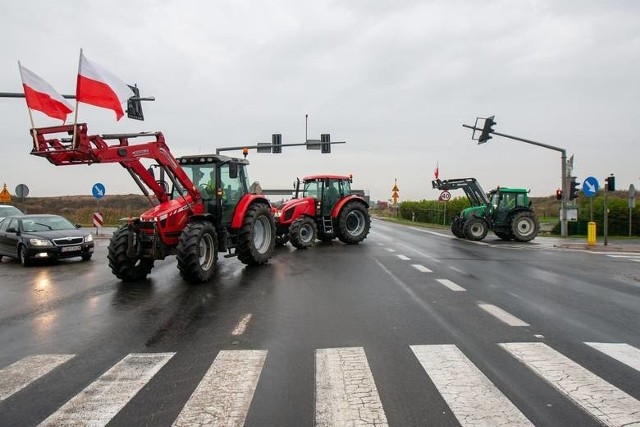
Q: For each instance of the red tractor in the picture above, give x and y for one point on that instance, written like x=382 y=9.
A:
x=323 y=209
x=203 y=208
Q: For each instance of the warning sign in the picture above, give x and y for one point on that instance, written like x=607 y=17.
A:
x=5 y=196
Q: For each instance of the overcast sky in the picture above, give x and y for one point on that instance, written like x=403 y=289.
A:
x=394 y=79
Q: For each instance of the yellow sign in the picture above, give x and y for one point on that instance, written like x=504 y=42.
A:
x=5 y=196
x=395 y=188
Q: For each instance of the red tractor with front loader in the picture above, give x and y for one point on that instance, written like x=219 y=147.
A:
x=323 y=208
x=202 y=203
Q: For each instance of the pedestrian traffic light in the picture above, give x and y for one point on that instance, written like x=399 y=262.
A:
x=573 y=191
x=487 y=129
x=611 y=183
x=558 y=194
x=325 y=139
x=276 y=142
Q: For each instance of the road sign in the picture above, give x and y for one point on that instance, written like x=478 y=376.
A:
x=445 y=196
x=632 y=196
x=590 y=186
x=22 y=191
x=5 y=196
x=97 y=219
x=98 y=190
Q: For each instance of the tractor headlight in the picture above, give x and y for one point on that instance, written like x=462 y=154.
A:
x=277 y=214
x=40 y=242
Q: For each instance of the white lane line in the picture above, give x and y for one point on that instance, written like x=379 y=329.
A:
x=448 y=236
x=421 y=268
x=603 y=401
x=624 y=353
x=404 y=258
x=457 y=270
x=391 y=250
x=97 y=404
x=224 y=395
x=502 y=315
x=346 y=394
x=472 y=397
x=17 y=376
x=451 y=285
x=241 y=327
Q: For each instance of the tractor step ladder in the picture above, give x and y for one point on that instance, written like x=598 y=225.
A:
x=327 y=224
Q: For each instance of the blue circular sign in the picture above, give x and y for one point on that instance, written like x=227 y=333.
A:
x=98 y=190
x=590 y=186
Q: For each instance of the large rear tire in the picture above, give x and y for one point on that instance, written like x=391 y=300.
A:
x=476 y=229
x=257 y=236
x=197 y=252
x=524 y=226
x=303 y=232
x=353 y=223
x=123 y=267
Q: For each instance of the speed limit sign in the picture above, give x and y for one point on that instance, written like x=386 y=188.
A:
x=445 y=196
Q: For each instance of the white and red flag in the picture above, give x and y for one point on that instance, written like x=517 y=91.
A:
x=436 y=172
x=41 y=96
x=99 y=87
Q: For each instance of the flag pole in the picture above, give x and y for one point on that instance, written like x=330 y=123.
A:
x=75 y=115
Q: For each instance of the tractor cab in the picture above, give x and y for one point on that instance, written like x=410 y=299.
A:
x=504 y=200
x=325 y=189
x=221 y=181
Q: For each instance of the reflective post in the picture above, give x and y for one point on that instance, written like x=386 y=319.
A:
x=591 y=233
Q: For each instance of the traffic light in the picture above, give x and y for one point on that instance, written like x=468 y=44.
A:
x=325 y=139
x=276 y=142
x=573 y=191
x=611 y=183
x=134 y=106
x=487 y=129
x=558 y=194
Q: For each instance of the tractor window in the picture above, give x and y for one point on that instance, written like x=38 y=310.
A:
x=521 y=200
x=233 y=182
x=345 y=188
x=311 y=189
x=508 y=201
x=203 y=177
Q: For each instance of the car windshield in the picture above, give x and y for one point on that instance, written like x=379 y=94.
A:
x=9 y=211
x=46 y=223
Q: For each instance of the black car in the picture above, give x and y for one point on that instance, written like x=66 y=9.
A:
x=41 y=237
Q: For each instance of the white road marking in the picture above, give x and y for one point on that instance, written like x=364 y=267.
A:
x=624 y=353
x=448 y=236
x=17 y=376
x=502 y=315
x=421 y=268
x=241 y=327
x=472 y=397
x=456 y=269
x=346 y=394
x=603 y=401
x=391 y=250
x=97 y=404
x=404 y=258
x=224 y=395
x=451 y=285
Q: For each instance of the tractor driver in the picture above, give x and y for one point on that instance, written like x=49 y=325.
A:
x=332 y=195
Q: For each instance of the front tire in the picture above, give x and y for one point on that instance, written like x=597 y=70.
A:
x=23 y=257
x=475 y=229
x=256 y=239
x=353 y=223
x=456 y=228
x=524 y=226
x=303 y=232
x=197 y=252
x=123 y=267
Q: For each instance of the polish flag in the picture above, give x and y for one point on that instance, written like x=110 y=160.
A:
x=41 y=96
x=436 y=172
x=97 y=86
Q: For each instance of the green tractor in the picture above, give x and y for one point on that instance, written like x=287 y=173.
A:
x=505 y=211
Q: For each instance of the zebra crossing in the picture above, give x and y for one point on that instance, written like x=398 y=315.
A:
x=345 y=386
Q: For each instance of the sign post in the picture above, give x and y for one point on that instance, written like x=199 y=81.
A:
x=632 y=204
x=589 y=189
x=98 y=192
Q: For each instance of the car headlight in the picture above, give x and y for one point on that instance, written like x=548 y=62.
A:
x=40 y=242
x=88 y=238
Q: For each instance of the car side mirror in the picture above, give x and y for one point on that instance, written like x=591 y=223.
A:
x=78 y=225
x=11 y=230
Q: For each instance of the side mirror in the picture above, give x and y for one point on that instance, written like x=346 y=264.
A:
x=233 y=170
x=78 y=225
x=11 y=230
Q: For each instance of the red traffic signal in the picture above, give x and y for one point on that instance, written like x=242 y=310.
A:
x=558 y=194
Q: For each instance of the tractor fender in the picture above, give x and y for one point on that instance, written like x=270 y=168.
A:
x=242 y=206
x=296 y=208
x=338 y=207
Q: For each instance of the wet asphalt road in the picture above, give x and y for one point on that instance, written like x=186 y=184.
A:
x=394 y=291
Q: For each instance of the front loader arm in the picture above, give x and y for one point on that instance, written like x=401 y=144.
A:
x=470 y=186
x=82 y=148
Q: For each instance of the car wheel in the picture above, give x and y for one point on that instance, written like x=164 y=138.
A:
x=22 y=256
x=86 y=257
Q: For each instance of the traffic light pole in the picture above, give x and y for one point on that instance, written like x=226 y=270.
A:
x=242 y=147
x=565 y=190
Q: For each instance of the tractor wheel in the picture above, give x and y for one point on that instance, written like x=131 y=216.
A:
x=353 y=223
x=197 y=252
x=123 y=267
x=456 y=228
x=282 y=239
x=524 y=226
x=475 y=229
x=303 y=232
x=504 y=235
x=256 y=239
